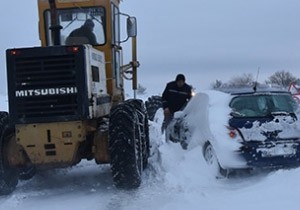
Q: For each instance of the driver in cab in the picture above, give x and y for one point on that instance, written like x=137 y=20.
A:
x=83 y=35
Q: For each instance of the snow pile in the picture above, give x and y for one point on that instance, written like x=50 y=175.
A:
x=3 y=103
x=178 y=171
x=207 y=115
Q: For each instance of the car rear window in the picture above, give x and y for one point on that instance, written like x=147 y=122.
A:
x=262 y=105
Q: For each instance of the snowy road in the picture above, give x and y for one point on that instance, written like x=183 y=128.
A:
x=181 y=184
x=175 y=180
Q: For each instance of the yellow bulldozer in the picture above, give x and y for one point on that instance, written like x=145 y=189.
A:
x=66 y=97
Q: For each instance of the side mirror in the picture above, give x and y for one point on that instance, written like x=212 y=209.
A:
x=131 y=27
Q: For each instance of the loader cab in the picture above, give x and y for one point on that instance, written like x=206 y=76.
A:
x=78 y=26
x=72 y=15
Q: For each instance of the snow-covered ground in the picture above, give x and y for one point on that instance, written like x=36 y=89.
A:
x=175 y=180
x=3 y=103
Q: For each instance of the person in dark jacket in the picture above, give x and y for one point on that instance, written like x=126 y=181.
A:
x=175 y=96
x=83 y=35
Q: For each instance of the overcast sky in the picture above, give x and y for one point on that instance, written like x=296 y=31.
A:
x=204 y=39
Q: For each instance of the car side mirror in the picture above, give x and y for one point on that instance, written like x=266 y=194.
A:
x=131 y=27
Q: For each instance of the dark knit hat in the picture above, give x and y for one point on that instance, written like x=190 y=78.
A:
x=180 y=77
x=89 y=23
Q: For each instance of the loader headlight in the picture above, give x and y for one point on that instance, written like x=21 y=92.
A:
x=15 y=52
x=73 y=49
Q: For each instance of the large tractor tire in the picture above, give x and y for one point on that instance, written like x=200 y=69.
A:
x=27 y=172
x=8 y=174
x=152 y=105
x=127 y=142
x=143 y=127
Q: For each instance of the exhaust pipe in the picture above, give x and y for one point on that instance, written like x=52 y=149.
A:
x=55 y=27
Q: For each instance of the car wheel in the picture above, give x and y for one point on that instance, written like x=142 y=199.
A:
x=212 y=161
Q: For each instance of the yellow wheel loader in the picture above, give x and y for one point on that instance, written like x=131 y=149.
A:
x=66 y=97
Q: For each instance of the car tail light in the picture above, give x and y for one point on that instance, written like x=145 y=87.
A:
x=234 y=134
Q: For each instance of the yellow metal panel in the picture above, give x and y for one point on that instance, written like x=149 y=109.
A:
x=100 y=148
x=71 y=1
x=51 y=143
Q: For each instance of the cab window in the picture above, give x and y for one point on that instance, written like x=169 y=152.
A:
x=79 y=26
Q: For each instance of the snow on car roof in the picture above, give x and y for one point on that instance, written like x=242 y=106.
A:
x=206 y=111
x=250 y=90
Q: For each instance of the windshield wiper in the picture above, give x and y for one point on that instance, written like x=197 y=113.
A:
x=236 y=114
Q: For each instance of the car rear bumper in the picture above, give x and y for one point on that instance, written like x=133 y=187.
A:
x=272 y=154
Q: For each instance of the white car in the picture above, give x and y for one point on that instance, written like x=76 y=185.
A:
x=238 y=130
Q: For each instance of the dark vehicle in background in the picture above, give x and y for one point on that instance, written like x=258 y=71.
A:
x=295 y=91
